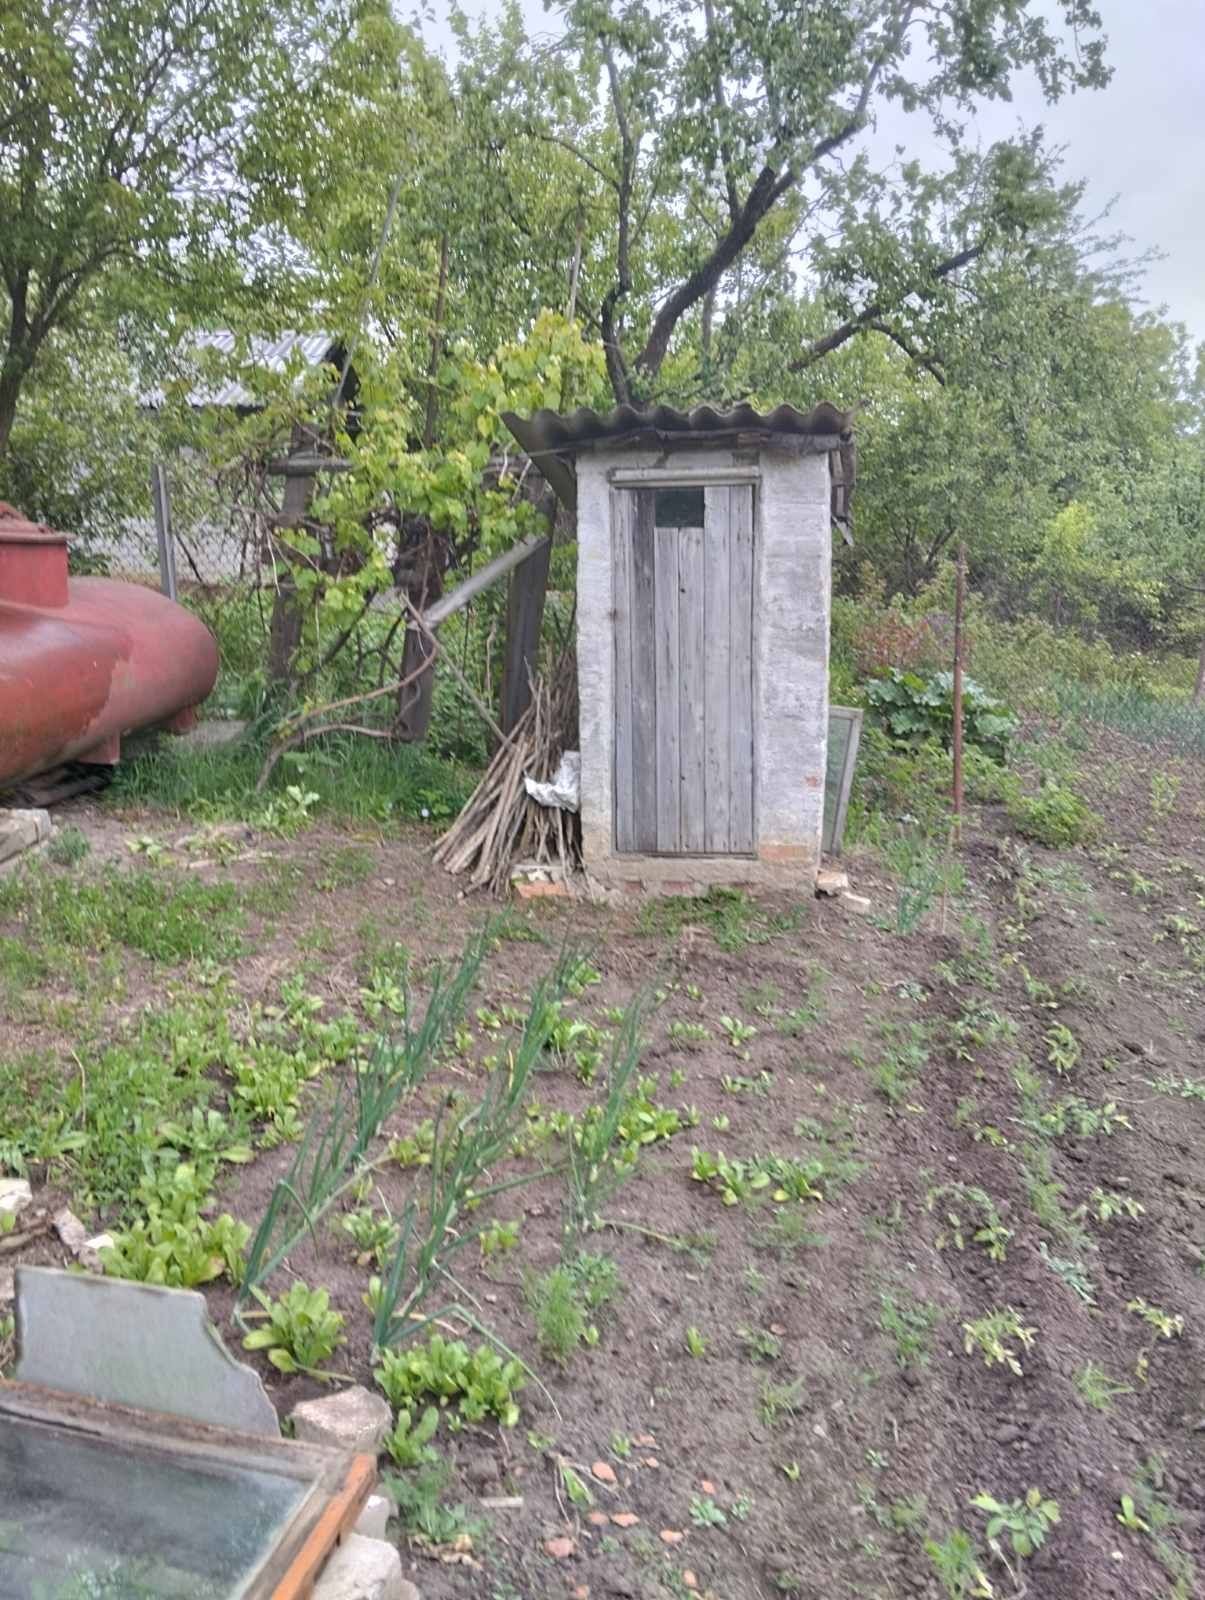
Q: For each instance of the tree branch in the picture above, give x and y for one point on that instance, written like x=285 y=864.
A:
x=773 y=181
x=874 y=313
x=930 y=363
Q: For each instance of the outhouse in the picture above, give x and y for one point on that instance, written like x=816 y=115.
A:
x=703 y=610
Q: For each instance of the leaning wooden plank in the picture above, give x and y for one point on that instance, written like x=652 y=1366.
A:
x=644 y=679
x=692 y=658
x=740 y=677
x=337 y=1518
x=524 y=614
x=471 y=587
x=669 y=691
x=622 y=510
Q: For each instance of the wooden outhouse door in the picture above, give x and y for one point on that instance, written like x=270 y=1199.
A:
x=683 y=588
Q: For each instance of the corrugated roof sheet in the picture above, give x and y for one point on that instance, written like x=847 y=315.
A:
x=548 y=437
x=270 y=355
x=549 y=430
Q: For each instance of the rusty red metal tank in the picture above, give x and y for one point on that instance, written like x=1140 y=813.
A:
x=84 y=661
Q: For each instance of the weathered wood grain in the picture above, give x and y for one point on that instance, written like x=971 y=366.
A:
x=740 y=677
x=669 y=690
x=717 y=747
x=622 y=516
x=692 y=659
x=644 y=677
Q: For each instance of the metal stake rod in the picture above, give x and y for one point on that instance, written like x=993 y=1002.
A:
x=960 y=595
x=161 y=502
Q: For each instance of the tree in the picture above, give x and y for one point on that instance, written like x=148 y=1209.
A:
x=150 y=151
x=718 y=119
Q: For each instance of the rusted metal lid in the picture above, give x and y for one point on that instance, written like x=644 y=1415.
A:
x=33 y=561
x=16 y=529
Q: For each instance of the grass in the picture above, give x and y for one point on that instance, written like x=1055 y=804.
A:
x=363 y=780
x=114 y=1109
x=735 y=919
x=160 y=914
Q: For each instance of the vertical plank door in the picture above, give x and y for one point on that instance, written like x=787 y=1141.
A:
x=683 y=617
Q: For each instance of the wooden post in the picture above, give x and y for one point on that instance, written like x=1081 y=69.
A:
x=285 y=633
x=526 y=591
x=414 y=700
x=161 y=502
x=956 y=742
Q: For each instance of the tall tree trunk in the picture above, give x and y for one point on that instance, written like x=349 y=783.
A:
x=1198 y=693
x=12 y=375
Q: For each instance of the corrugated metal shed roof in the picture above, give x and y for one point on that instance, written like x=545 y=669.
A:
x=270 y=355
x=549 y=437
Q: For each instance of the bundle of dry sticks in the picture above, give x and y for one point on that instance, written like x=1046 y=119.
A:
x=501 y=823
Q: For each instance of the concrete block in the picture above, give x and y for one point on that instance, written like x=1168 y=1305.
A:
x=355 y=1419
x=74 y=1236
x=856 y=902
x=364 y=1569
x=22 y=830
x=15 y=1195
x=527 y=889
x=374 y=1519
x=830 y=880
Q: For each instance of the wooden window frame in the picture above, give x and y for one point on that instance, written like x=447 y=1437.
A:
x=339 y=1482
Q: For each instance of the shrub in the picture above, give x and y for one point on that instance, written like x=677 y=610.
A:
x=1055 y=817
x=301 y=1330
x=914 y=710
x=986 y=782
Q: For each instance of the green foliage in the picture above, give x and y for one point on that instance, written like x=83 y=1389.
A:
x=353 y=778
x=174 y=1244
x=144 y=1100
x=477 y=1384
x=561 y=1324
x=1147 y=1511
x=993 y=1335
x=1055 y=817
x=301 y=1331
x=162 y=915
x=1097 y=1389
x=782 y=1178
x=109 y=214
x=956 y=1562
x=779 y=1402
x=1167 y=1325
x=68 y=846
x=924 y=872
x=735 y=918
x=990 y=1232
x=423 y=1511
x=1027 y=1522
x=914 y=710
x=910 y=1325
x=408 y=1442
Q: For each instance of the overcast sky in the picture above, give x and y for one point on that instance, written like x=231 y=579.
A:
x=1141 y=140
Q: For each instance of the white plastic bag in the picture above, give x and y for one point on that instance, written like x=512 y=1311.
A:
x=564 y=791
